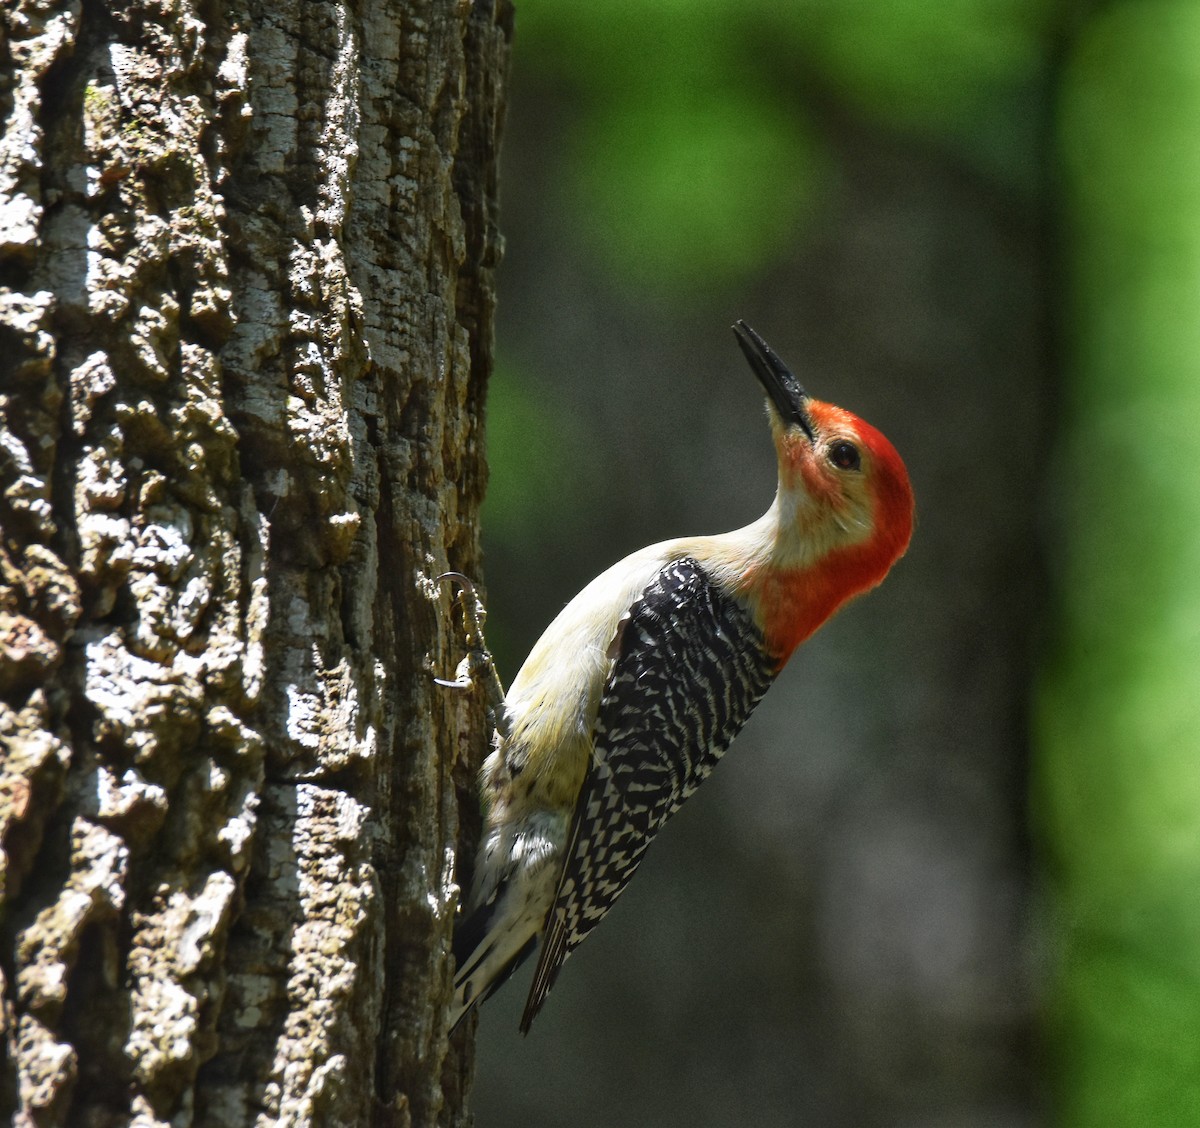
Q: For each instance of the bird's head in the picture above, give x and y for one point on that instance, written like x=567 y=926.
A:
x=845 y=505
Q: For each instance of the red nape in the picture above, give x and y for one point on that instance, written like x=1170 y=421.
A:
x=795 y=604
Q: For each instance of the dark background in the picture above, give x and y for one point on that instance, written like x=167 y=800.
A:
x=947 y=875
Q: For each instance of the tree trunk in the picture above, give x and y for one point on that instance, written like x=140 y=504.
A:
x=249 y=253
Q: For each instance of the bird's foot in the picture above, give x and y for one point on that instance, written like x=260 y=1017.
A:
x=477 y=666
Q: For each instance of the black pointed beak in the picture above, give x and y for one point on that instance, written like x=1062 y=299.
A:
x=784 y=390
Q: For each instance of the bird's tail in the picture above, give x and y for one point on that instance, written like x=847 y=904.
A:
x=487 y=950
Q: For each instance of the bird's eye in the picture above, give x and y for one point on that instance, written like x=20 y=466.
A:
x=845 y=456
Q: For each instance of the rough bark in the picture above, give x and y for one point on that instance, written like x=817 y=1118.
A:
x=248 y=254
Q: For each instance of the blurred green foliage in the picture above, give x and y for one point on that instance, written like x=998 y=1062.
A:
x=947 y=67
x=540 y=459
x=695 y=160
x=1120 y=715
x=529 y=440
x=692 y=152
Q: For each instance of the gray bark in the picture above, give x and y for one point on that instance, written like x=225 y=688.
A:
x=247 y=252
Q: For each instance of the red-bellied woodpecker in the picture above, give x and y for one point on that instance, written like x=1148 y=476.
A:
x=639 y=685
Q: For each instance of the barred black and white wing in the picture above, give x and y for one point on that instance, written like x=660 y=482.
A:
x=689 y=668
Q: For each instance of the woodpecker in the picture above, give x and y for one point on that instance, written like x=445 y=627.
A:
x=637 y=688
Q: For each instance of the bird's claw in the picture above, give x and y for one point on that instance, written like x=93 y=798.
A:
x=477 y=665
x=474 y=614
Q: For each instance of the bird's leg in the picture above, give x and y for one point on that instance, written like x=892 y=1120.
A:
x=477 y=666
